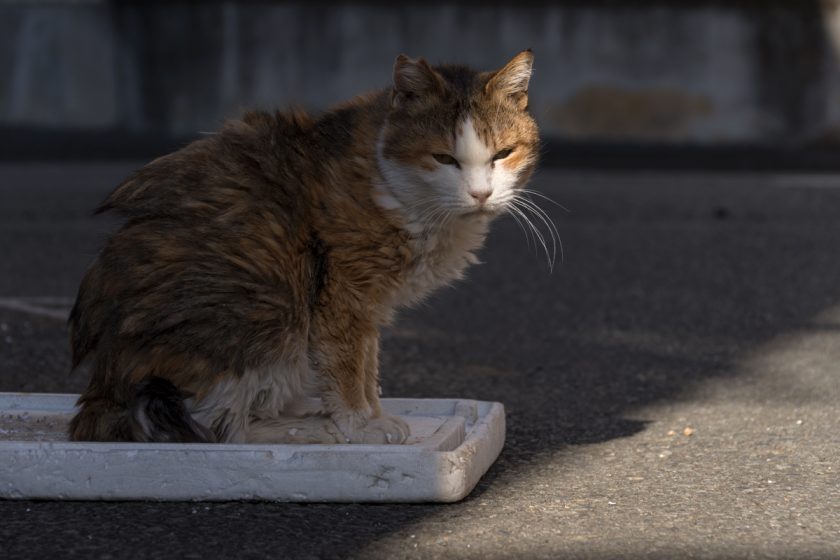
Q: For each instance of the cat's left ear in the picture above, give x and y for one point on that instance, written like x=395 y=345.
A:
x=512 y=80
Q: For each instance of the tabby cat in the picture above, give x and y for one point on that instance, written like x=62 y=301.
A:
x=256 y=265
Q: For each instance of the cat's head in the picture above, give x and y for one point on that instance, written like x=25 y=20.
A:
x=457 y=141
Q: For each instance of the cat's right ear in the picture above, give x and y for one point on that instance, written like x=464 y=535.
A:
x=414 y=79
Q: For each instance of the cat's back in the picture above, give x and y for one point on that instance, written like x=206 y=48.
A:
x=260 y=159
x=214 y=241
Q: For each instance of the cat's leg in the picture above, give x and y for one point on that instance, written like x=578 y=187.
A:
x=345 y=358
x=371 y=367
x=372 y=389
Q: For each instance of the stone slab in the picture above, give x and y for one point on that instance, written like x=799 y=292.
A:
x=453 y=443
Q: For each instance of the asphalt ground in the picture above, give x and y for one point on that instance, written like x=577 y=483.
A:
x=671 y=386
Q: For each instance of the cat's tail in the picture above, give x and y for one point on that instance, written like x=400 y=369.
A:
x=155 y=413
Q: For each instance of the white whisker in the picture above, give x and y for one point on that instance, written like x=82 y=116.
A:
x=546 y=219
x=536 y=231
x=530 y=206
x=519 y=223
x=530 y=235
x=543 y=196
x=555 y=235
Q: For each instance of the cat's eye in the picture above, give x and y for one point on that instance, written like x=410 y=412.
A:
x=502 y=154
x=446 y=159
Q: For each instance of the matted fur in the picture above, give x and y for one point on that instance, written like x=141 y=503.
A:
x=256 y=265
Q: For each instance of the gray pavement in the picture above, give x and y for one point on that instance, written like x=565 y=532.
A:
x=672 y=387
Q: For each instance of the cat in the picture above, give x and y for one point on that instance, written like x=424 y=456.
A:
x=257 y=264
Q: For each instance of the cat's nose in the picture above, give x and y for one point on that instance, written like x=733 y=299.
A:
x=480 y=196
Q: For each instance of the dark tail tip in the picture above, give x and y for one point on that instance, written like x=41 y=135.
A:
x=157 y=414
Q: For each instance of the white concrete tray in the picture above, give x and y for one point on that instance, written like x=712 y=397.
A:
x=452 y=445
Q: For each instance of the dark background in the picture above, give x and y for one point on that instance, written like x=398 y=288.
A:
x=741 y=83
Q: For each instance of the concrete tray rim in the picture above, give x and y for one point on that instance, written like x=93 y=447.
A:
x=448 y=475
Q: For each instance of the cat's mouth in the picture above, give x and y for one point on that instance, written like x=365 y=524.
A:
x=483 y=210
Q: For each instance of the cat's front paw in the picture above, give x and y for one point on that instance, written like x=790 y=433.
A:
x=386 y=429
x=382 y=429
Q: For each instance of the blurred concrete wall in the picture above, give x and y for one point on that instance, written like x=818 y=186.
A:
x=699 y=71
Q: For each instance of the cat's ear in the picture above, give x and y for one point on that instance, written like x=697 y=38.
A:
x=414 y=79
x=512 y=80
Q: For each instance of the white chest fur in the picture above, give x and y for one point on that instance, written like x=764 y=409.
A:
x=442 y=256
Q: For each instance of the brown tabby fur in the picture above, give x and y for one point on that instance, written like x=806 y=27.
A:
x=257 y=256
